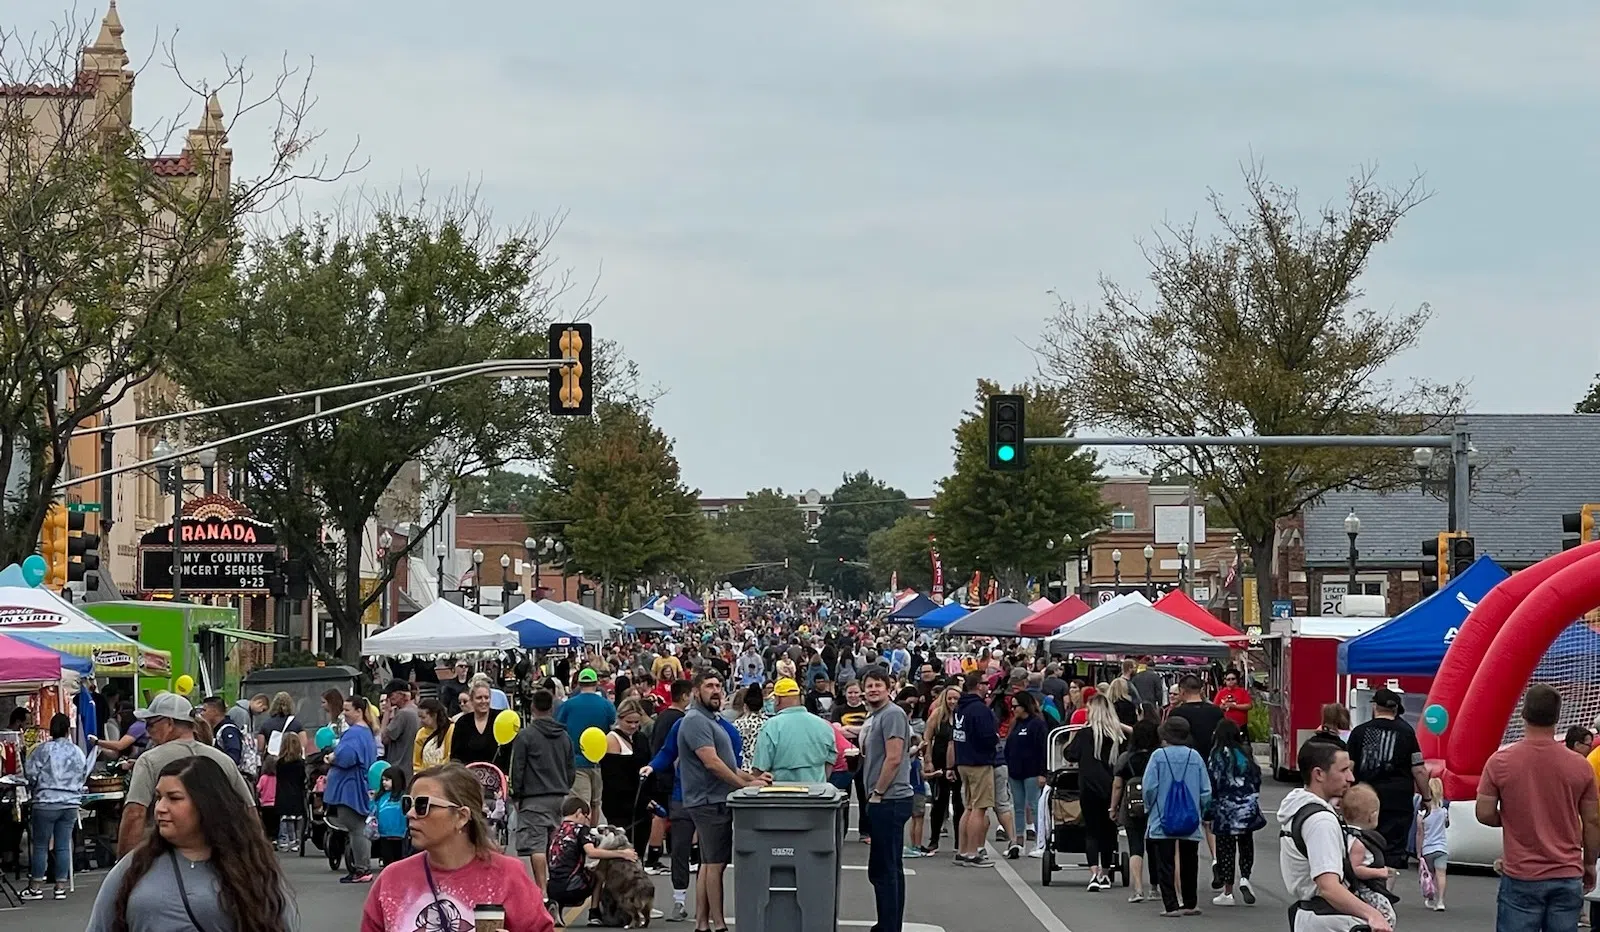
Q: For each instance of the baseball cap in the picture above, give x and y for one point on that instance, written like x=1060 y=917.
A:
x=587 y=675
x=785 y=687
x=165 y=705
x=1386 y=699
x=397 y=686
x=1019 y=673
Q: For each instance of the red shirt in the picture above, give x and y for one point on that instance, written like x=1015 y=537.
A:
x=1240 y=714
x=402 y=901
x=1542 y=788
x=1080 y=716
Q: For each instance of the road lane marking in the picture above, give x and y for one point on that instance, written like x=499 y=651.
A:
x=1049 y=920
x=869 y=923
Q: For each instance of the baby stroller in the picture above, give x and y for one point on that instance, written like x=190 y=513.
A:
x=1065 y=834
x=496 y=799
x=317 y=829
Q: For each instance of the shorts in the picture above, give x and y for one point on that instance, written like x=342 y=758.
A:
x=1437 y=860
x=919 y=804
x=1135 y=830
x=586 y=786
x=1002 y=790
x=537 y=818
x=714 y=825
x=977 y=787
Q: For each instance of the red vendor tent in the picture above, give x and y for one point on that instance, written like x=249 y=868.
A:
x=1178 y=604
x=1044 y=623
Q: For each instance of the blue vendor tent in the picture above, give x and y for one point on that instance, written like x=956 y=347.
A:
x=913 y=609
x=533 y=634
x=943 y=616
x=1414 y=642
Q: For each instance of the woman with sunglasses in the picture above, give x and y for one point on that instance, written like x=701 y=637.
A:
x=457 y=867
x=204 y=863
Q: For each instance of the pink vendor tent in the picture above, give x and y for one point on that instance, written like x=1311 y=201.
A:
x=21 y=662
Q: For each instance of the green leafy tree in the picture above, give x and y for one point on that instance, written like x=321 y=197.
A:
x=616 y=485
x=902 y=550
x=1001 y=523
x=337 y=301
x=772 y=528
x=717 y=554
x=1591 y=402
x=499 y=492
x=1257 y=328
x=860 y=506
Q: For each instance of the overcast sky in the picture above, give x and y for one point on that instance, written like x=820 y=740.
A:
x=816 y=224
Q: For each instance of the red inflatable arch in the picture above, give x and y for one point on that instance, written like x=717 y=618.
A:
x=1516 y=651
x=1465 y=654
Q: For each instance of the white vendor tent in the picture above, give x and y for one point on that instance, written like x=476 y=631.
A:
x=442 y=628
x=1135 y=628
x=648 y=619
x=1102 y=610
x=597 y=626
x=541 y=612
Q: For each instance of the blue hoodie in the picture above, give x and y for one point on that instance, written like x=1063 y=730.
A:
x=1025 y=748
x=667 y=758
x=975 y=733
x=353 y=756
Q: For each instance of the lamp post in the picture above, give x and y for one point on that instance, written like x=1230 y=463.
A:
x=441 y=574
x=170 y=477
x=477 y=580
x=1238 y=572
x=505 y=582
x=1352 y=527
x=1149 y=555
x=1183 y=566
x=1116 y=572
x=1422 y=458
x=385 y=541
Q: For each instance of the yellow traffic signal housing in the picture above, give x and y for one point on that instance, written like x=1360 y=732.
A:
x=1578 y=527
x=54 y=545
x=572 y=385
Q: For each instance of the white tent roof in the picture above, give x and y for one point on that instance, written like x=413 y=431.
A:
x=648 y=619
x=1102 y=610
x=597 y=625
x=1135 y=628
x=442 y=628
x=541 y=612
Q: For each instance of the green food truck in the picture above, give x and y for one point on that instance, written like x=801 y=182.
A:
x=201 y=638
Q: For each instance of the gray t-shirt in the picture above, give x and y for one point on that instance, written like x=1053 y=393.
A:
x=700 y=729
x=882 y=725
x=400 y=738
x=156 y=904
x=147 y=771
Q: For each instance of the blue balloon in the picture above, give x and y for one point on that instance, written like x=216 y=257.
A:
x=375 y=774
x=1436 y=718
x=326 y=738
x=34 y=569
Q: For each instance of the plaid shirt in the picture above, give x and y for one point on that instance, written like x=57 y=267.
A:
x=57 y=770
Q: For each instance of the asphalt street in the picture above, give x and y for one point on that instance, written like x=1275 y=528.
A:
x=940 y=896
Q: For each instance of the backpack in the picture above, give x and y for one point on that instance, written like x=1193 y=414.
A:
x=1180 y=812
x=249 y=754
x=1296 y=834
x=1133 y=791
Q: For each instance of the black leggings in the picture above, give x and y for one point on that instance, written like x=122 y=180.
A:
x=1245 y=845
x=946 y=793
x=1176 y=881
x=1099 y=832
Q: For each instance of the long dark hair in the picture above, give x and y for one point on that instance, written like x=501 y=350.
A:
x=1228 y=751
x=251 y=888
x=441 y=721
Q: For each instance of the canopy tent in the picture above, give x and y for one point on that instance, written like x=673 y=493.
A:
x=612 y=627
x=903 y=596
x=684 y=604
x=1048 y=621
x=1103 y=609
x=646 y=619
x=912 y=609
x=44 y=619
x=593 y=626
x=755 y=593
x=1413 y=643
x=1040 y=604
x=442 y=628
x=1179 y=605
x=942 y=616
x=21 y=662
x=997 y=619
x=730 y=594
x=539 y=628
x=1135 y=628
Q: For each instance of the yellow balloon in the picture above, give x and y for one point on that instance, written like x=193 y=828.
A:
x=506 y=726
x=184 y=685
x=593 y=744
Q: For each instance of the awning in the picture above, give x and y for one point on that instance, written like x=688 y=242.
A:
x=242 y=634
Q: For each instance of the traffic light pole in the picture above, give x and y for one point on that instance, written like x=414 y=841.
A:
x=1458 y=443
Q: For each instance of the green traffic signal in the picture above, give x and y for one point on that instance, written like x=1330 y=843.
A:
x=1006 y=453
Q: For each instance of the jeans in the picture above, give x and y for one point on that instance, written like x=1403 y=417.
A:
x=354 y=825
x=1024 y=795
x=53 y=823
x=1538 y=905
x=885 y=824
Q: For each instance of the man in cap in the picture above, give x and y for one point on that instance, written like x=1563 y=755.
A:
x=794 y=746
x=1384 y=753
x=583 y=710
x=169 y=721
x=400 y=726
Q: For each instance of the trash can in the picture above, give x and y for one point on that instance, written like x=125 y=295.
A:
x=787 y=840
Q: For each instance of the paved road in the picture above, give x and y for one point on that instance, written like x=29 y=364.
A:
x=940 y=896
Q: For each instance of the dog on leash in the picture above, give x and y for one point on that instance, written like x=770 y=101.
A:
x=624 y=893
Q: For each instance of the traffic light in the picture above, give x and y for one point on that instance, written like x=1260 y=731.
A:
x=572 y=386
x=1436 y=569
x=1463 y=551
x=83 y=550
x=1578 y=527
x=53 y=546
x=1005 y=418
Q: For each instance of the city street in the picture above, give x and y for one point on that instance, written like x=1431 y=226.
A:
x=939 y=896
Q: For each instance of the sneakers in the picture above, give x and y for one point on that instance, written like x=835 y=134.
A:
x=1247 y=892
x=32 y=894
x=1222 y=899
x=364 y=877
x=1097 y=884
x=1013 y=852
x=999 y=833
x=979 y=860
x=1136 y=898
x=1036 y=853
x=1216 y=878
x=61 y=893
x=680 y=912
x=910 y=851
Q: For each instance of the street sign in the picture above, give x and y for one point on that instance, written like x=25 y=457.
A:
x=1283 y=608
x=92 y=508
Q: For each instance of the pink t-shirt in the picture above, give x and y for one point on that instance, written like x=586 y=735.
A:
x=1542 y=788
x=267 y=789
x=402 y=901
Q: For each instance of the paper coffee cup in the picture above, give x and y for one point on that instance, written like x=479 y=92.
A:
x=488 y=917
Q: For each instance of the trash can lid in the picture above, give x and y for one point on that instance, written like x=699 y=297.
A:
x=788 y=794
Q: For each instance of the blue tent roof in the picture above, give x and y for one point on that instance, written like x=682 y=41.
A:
x=1414 y=642
x=942 y=616
x=534 y=634
x=914 y=609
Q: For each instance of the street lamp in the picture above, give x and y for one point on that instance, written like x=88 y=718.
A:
x=1422 y=458
x=1183 y=566
x=1116 y=572
x=385 y=541
x=169 y=476
x=505 y=582
x=477 y=580
x=1352 y=527
x=1149 y=554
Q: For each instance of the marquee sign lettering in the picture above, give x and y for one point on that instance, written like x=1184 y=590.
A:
x=223 y=549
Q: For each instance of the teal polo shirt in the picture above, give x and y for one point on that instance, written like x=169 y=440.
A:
x=795 y=747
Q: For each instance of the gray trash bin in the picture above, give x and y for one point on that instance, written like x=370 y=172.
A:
x=787 y=841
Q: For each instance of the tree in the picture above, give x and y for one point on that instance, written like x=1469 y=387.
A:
x=1591 y=402
x=1001 y=523
x=902 y=550
x=773 y=530
x=857 y=508
x=499 y=492
x=109 y=249
x=616 y=485
x=1257 y=329
x=339 y=300
x=716 y=554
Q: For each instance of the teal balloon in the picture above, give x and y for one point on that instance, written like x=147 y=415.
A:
x=326 y=738
x=1436 y=718
x=34 y=569
x=375 y=774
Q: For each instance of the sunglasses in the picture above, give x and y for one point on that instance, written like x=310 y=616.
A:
x=422 y=805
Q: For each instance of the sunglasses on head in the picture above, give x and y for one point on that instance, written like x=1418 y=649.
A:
x=422 y=805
